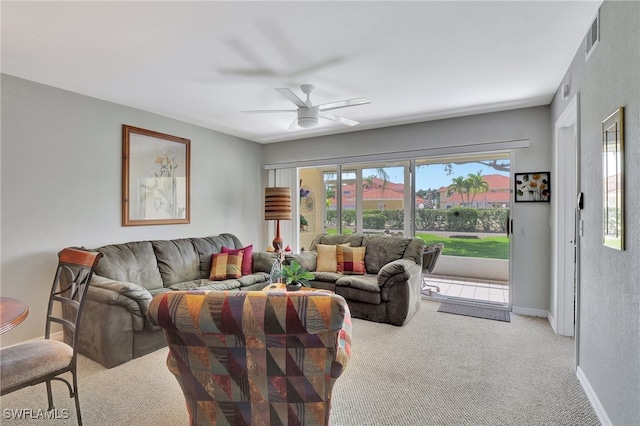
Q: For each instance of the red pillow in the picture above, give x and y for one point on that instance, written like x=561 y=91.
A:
x=247 y=262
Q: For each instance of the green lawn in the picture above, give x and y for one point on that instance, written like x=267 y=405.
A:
x=489 y=247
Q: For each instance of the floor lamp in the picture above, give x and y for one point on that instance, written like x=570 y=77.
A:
x=277 y=206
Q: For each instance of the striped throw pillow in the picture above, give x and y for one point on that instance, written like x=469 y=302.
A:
x=226 y=266
x=351 y=260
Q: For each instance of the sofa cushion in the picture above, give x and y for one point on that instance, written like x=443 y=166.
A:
x=382 y=249
x=178 y=260
x=258 y=277
x=306 y=259
x=207 y=246
x=226 y=266
x=354 y=240
x=351 y=260
x=329 y=277
x=367 y=282
x=204 y=284
x=133 y=262
x=354 y=294
x=247 y=257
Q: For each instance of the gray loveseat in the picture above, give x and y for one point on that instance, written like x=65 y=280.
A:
x=114 y=327
x=389 y=291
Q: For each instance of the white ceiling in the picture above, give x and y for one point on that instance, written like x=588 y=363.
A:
x=204 y=62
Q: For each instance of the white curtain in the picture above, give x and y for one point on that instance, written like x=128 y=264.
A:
x=288 y=228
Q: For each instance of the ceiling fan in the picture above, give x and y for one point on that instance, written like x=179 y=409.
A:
x=308 y=113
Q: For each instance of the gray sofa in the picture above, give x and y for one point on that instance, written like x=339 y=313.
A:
x=389 y=291
x=114 y=327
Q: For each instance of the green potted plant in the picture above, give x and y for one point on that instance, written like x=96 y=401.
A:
x=293 y=276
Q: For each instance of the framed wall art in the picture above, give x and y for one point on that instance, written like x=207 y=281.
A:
x=533 y=187
x=155 y=178
x=613 y=180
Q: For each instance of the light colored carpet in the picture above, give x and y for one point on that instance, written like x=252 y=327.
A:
x=436 y=370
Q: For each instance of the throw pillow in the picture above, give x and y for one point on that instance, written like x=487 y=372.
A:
x=327 y=257
x=247 y=258
x=351 y=260
x=327 y=261
x=226 y=266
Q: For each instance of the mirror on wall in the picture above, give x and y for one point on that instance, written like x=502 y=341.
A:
x=613 y=180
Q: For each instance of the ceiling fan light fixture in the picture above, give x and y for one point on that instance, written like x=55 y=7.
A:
x=308 y=117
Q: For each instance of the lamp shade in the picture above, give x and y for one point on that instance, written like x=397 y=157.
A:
x=277 y=203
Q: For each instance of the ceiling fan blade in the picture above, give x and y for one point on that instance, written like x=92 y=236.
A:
x=294 y=124
x=263 y=111
x=316 y=67
x=292 y=97
x=343 y=104
x=248 y=72
x=342 y=120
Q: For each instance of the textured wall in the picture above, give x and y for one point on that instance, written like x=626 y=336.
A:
x=61 y=185
x=609 y=334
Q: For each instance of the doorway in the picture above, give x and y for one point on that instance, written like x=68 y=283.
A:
x=463 y=202
x=565 y=224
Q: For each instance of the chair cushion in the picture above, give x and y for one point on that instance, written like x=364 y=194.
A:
x=351 y=260
x=225 y=266
x=27 y=361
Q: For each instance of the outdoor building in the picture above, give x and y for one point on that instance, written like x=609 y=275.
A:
x=496 y=196
x=378 y=194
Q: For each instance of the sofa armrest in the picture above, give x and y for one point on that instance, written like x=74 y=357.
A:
x=307 y=259
x=343 y=352
x=133 y=297
x=262 y=261
x=396 y=271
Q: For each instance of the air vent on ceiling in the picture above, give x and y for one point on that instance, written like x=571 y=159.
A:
x=593 y=37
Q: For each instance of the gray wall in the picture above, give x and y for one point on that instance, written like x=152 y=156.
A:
x=531 y=221
x=609 y=334
x=61 y=186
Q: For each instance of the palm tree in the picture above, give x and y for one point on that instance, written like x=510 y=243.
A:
x=476 y=184
x=460 y=185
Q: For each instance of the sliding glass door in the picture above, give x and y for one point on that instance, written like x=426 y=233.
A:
x=461 y=202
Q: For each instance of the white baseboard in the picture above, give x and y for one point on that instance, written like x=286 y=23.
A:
x=593 y=398
x=530 y=312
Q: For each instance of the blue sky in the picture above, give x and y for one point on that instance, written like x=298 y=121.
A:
x=434 y=176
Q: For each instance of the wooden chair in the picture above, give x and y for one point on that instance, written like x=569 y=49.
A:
x=43 y=360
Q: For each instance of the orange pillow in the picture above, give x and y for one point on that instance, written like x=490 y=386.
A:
x=226 y=266
x=351 y=260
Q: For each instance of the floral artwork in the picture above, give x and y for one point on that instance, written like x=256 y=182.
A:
x=533 y=187
x=155 y=177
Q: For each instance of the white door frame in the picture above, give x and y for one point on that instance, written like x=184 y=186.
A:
x=564 y=303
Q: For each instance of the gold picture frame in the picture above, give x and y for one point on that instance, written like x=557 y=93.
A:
x=613 y=180
x=155 y=178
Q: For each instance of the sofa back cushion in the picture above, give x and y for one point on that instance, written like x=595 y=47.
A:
x=383 y=249
x=133 y=262
x=178 y=260
x=354 y=240
x=208 y=246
